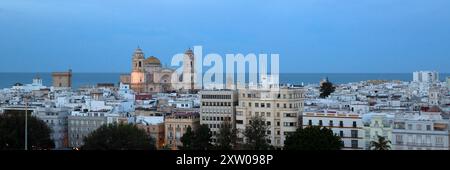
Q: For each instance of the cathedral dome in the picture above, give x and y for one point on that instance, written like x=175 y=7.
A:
x=152 y=60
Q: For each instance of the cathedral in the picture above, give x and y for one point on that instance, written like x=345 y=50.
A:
x=149 y=76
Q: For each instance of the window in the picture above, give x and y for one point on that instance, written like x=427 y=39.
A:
x=263 y=105
x=439 y=141
x=399 y=139
x=428 y=140
x=354 y=124
x=249 y=104
x=290 y=115
x=341 y=133
x=256 y=104
x=376 y=124
x=278 y=105
x=419 y=140
x=268 y=114
x=289 y=124
x=331 y=123
x=310 y=122
x=354 y=133
x=428 y=127
x=409 y=126
x=320 y=122
x=239 y=121
x=284 y=105
x=354 y=143
x=278 y=123
x=419 y=127
x=341 y=124
x=269 y=132
x=268 y=123
x=268 y=105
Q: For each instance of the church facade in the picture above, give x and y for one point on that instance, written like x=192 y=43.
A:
x=149 y=76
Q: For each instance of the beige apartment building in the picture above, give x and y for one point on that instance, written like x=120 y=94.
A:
x=281 y=109
x=218 y=107
x=176 y=125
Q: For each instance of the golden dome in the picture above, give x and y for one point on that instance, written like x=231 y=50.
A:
x=152 y=60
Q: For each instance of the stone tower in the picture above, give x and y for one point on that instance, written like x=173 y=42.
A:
x=62 y=79
x=138 y=71
x=188 y=70
x=138 y=60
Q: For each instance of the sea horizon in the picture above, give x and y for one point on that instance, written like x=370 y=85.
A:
x=80 y=79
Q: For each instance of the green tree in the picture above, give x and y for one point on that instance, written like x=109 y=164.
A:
x=313 y=138
x=326 y=88
x=118 y=137
x=227 y=137
x=202 y=139
x=256 y=134
x=12 y=133
x=187 y=139
x=199 y=139
x=381 y=144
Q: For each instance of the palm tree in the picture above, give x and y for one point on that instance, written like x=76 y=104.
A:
x=381 y=144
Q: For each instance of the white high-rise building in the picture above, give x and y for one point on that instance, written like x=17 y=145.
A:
x=448 y=82
x=426 y=76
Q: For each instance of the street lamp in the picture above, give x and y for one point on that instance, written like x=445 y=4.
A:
x=26 y=123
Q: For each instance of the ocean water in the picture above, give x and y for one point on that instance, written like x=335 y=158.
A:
x=84 y=79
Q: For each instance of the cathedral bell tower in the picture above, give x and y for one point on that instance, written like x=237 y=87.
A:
x=138 y=73
x=188 y=70
x=138 y=60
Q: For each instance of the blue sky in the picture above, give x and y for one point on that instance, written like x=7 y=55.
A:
x=311 y=36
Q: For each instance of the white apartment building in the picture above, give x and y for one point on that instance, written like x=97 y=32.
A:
x=80 y=125
x=434 y=96
x=89 y=118
x=420 y=131
x=182 y=103
x=426 y=76
x=346 y=125
x=379 y=124
x=448 y=82
x=218 y=107
x=281 y=109
x=56 y=120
